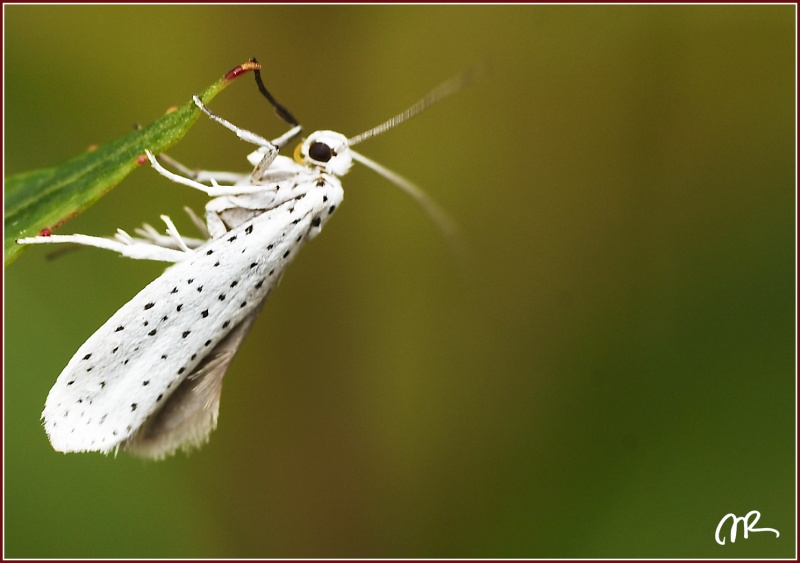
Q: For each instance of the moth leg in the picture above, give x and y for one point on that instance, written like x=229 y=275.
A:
x=263 y=165
x=182 y=168
x=268 y=148
x=243 y=134
x=124 y=245
x=281 y=141
x=249 y=136
x=172 y=239
x=216 y=227
x=172 y=231
x=215 y=190
x=203 y=175
x=197 y=222
x=177 y=178
x=149 y=234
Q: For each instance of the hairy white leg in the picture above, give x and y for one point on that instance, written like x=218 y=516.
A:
x=216 y=228
x=197 y=222
x=212 y=191
x=243 y=134
x=270 y=148
x=249 y=136
x=203 y=175
x=172 y=231
x=281 y=141
x=132 y=248
x=148 y=233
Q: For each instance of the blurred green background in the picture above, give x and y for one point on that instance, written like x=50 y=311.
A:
x=611 y=374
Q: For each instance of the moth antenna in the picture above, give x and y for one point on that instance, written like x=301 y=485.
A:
x=442 y=91
x=280 y=111
x=442 y=220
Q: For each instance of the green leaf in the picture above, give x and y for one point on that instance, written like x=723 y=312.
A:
x=45 y=199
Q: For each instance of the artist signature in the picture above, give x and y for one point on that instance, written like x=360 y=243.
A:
x=748 y=522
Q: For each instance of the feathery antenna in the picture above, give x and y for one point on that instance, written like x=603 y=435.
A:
x=443 y=90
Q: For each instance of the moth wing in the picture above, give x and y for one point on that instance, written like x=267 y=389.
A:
x=123 y=373
x=189 y=416
x=187 y=322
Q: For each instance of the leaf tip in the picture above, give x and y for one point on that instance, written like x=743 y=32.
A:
x=241 y=69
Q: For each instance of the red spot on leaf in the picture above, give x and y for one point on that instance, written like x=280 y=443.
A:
x=141 y=159
x=45 y=232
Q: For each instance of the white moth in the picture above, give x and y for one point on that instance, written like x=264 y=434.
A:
x=149 y=380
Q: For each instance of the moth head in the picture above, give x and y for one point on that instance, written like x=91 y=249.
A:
x=326 y=149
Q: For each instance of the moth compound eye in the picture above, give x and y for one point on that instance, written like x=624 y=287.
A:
x=320 y=152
